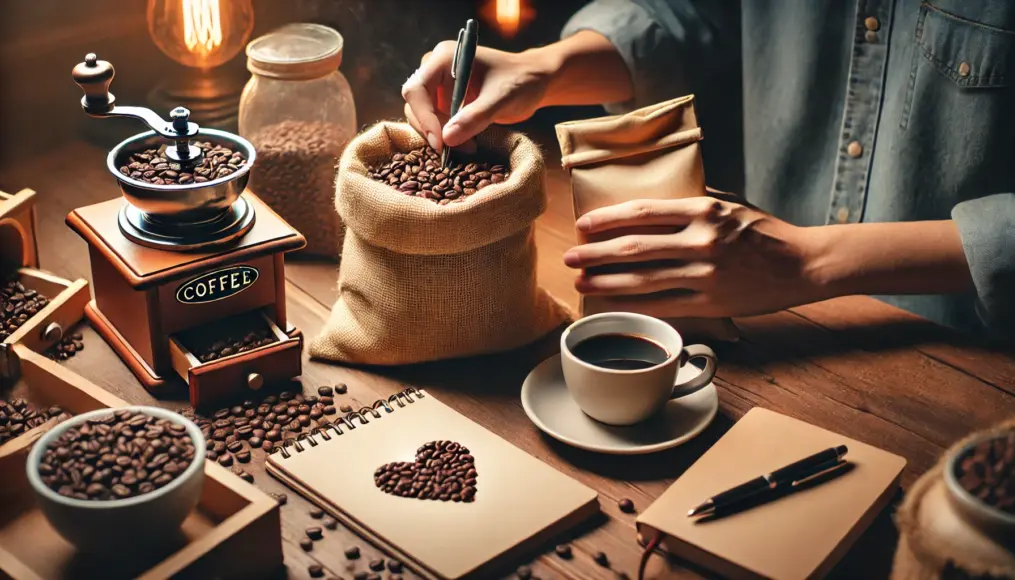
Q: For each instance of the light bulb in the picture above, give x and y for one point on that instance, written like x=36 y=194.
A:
x=200 y=33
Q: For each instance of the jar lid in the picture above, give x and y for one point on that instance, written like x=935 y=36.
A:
x=296 y=51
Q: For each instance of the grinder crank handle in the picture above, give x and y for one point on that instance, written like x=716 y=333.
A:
x=94 y=77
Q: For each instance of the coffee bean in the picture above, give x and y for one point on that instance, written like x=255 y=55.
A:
x=243 y=457
x=93 y=461
x=346 y=408
x=225 y=460
x=151 y=168
x=377 y=565
x=267 y=445
x=563 y=550
x=341 y=389
x=314 y=533
x=330 y=409
x=330 y=523
x=280 y=497
x=246 y=476
x=352 y=553
x=307 y=544
x=325 y=391
x=315 y=570
x=285 y=396
x=394 y=566
x=316 y=513
x=255 y=442
x=325 y=401
x=234 y=447
x=601 y=559
x=626 y=505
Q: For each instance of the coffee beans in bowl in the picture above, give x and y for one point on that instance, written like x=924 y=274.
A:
x=152 y=166
x=110 y=478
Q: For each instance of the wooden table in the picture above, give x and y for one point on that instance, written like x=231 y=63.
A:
x=852 y=365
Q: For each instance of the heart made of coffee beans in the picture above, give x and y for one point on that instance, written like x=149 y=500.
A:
x=443 y=470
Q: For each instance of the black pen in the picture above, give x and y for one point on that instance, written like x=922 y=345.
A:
x=461 y=70
x=791 y=476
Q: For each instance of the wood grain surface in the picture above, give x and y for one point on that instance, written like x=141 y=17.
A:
x=851 y=365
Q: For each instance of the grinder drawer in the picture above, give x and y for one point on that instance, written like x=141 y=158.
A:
x=226 y=358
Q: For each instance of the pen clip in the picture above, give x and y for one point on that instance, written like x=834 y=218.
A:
x=838 y=465
x=458 y=50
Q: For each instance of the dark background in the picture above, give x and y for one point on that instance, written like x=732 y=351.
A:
x=384 y=39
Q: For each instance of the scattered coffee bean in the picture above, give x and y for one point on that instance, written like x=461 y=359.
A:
x=17 y=305
x=307 y=544
x=325 y=391
x=225 y=460
x=20 y=416
x=243 y=457
x=154 y=167
x=394 y=566
x=377 y=565
x=246 y=476
x=601 y=559
x=626 y=506
x=352 y=553
x=315 y=570
x=140 y=456
x=419 y=173
x=267 y=445
x=523 y=573
x=987 y=472
x=330 y=409
x=255 y=442
x=316 y=513
x=341 y=389
x=346 y=408
x=563 y=550
x=325 y=401
x=443 y=470
x=280 y=497
x=330 y=523
x=314 y=533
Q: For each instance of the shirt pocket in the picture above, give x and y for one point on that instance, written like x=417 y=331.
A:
x=968 y=53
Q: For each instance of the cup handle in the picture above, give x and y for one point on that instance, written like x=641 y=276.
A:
x=703 y=379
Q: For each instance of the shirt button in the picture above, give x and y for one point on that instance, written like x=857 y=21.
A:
x=854 y=149
x=964 y=69
x=842 y=215
x=871 y=23
x=871 y=37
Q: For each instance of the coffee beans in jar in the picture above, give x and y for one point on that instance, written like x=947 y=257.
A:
x=17 y=305
x=419 y=173
x=152 y=166
x=295 y=175
x=19 y=416
x=116 y=456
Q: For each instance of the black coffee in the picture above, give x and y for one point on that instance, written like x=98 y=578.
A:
x=622 y=352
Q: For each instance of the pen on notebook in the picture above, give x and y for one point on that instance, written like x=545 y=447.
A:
x=461 y=70
x=789 y=477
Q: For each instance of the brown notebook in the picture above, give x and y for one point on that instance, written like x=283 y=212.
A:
x=519 y=501
x=801 y=535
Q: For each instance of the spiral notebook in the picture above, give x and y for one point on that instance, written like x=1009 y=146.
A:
x=519 y=501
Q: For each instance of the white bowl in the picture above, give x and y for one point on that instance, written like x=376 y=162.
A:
x=97 y=526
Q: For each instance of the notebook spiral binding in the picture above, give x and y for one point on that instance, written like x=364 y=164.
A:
x=287 y=446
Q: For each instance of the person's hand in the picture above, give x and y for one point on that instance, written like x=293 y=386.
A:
x=727 y=260
x=504 y=88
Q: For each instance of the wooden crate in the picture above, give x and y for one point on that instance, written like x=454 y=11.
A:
x=235 y=532
x=19 y=254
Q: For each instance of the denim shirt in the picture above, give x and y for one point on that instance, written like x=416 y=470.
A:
x=865 y=111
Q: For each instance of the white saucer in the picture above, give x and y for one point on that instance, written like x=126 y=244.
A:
x=549 y=405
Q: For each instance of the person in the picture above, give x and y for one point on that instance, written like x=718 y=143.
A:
x=878 y=143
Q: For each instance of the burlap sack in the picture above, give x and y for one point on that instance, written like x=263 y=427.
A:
x=651 y=153
x=924 y=554
x=421 y=281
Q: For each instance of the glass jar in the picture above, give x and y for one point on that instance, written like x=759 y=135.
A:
x=298 y=111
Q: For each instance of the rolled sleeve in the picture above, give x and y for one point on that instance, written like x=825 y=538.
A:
x=987 y=228
x=662 y=42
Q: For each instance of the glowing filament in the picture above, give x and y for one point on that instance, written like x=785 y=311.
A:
x=202 y=25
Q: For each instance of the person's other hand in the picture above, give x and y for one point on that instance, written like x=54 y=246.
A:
x=727 y=260
x=504 y=88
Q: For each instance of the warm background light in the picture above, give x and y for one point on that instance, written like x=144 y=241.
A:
x=507 y=17
x=200 y=33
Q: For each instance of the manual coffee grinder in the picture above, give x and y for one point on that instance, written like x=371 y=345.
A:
x=180 y=269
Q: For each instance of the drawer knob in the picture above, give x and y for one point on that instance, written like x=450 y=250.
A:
x=255 y=381
x=53 y=332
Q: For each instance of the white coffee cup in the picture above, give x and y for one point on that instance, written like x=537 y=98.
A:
x=625 y=397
